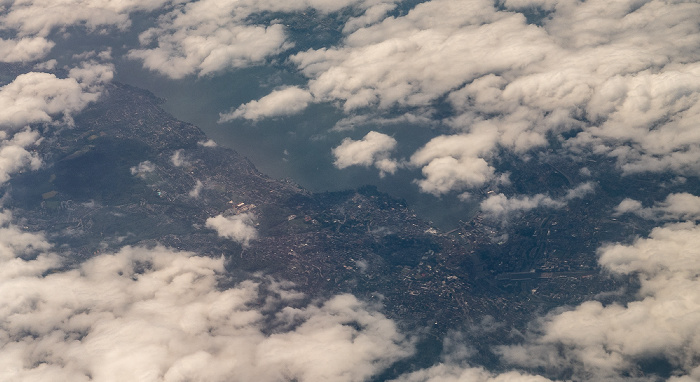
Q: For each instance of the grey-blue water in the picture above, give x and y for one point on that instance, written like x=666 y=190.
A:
x=296 y=147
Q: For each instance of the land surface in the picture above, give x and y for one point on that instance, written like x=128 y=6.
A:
x=484 y=279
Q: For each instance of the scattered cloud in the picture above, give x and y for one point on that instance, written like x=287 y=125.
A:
x=14 y=155
x=197 y=41
x=608 y=73
x=681 y=206
x=24 y=49
x=32 y=22
x=608 y=341
x=239 y=228
x=41 y=17
x=349 y=123
x=105 y=55
x=455 y=373
x=37 y=97
x=282 y=102
x=322 y=6
x=143 y=168
x=412 y=60
x=178 y=160
x=47 y=65
x=23 y=254
x=648 y=122
x=374 y=149
x=499 y=205
x=628 y=205
x=209 y=36
x=453 y=162
x=372 y=15
x=622 y=79
x=157 y=314
x=194 y=193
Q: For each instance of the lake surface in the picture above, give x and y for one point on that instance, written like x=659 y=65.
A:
x=296 y=147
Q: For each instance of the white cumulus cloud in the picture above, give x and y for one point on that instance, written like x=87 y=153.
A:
x=14 y=153
x=374 y=149
x=453 y=162
x=239 y=228
x=282 y=102
x=24 y=49
x=680 y=206
x=196 y=190
x=455 y=373
x=499 y=205
x=178 y=159
x=624 y=77
x=38 y=97
x=209 y=36
x=32 y=22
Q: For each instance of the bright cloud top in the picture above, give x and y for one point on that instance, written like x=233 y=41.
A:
x=24 y=49
x=374 y=149
x=499 y=205
x=454 y=373
x=456 y=161
x=42 y=98
x=682 y=206
x=39 y=97
x=239 y=228
x=33 y=21
x=208 y=36
x=281 y=102
x=14 y=153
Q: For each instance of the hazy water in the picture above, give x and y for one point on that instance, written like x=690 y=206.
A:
x=296 y=147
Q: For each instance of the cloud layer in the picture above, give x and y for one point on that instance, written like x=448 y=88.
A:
x=208 y=36
x=455 y=162
x=596 y=78
x=622 y=80
x=454 y=373
x=37 y=97
x=681 y=206
x=153 y=314
x=499 y=205
x=603 y=342
x=33 y=22
x=281 y=102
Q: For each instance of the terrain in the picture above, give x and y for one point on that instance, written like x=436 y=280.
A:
x=485 y=279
